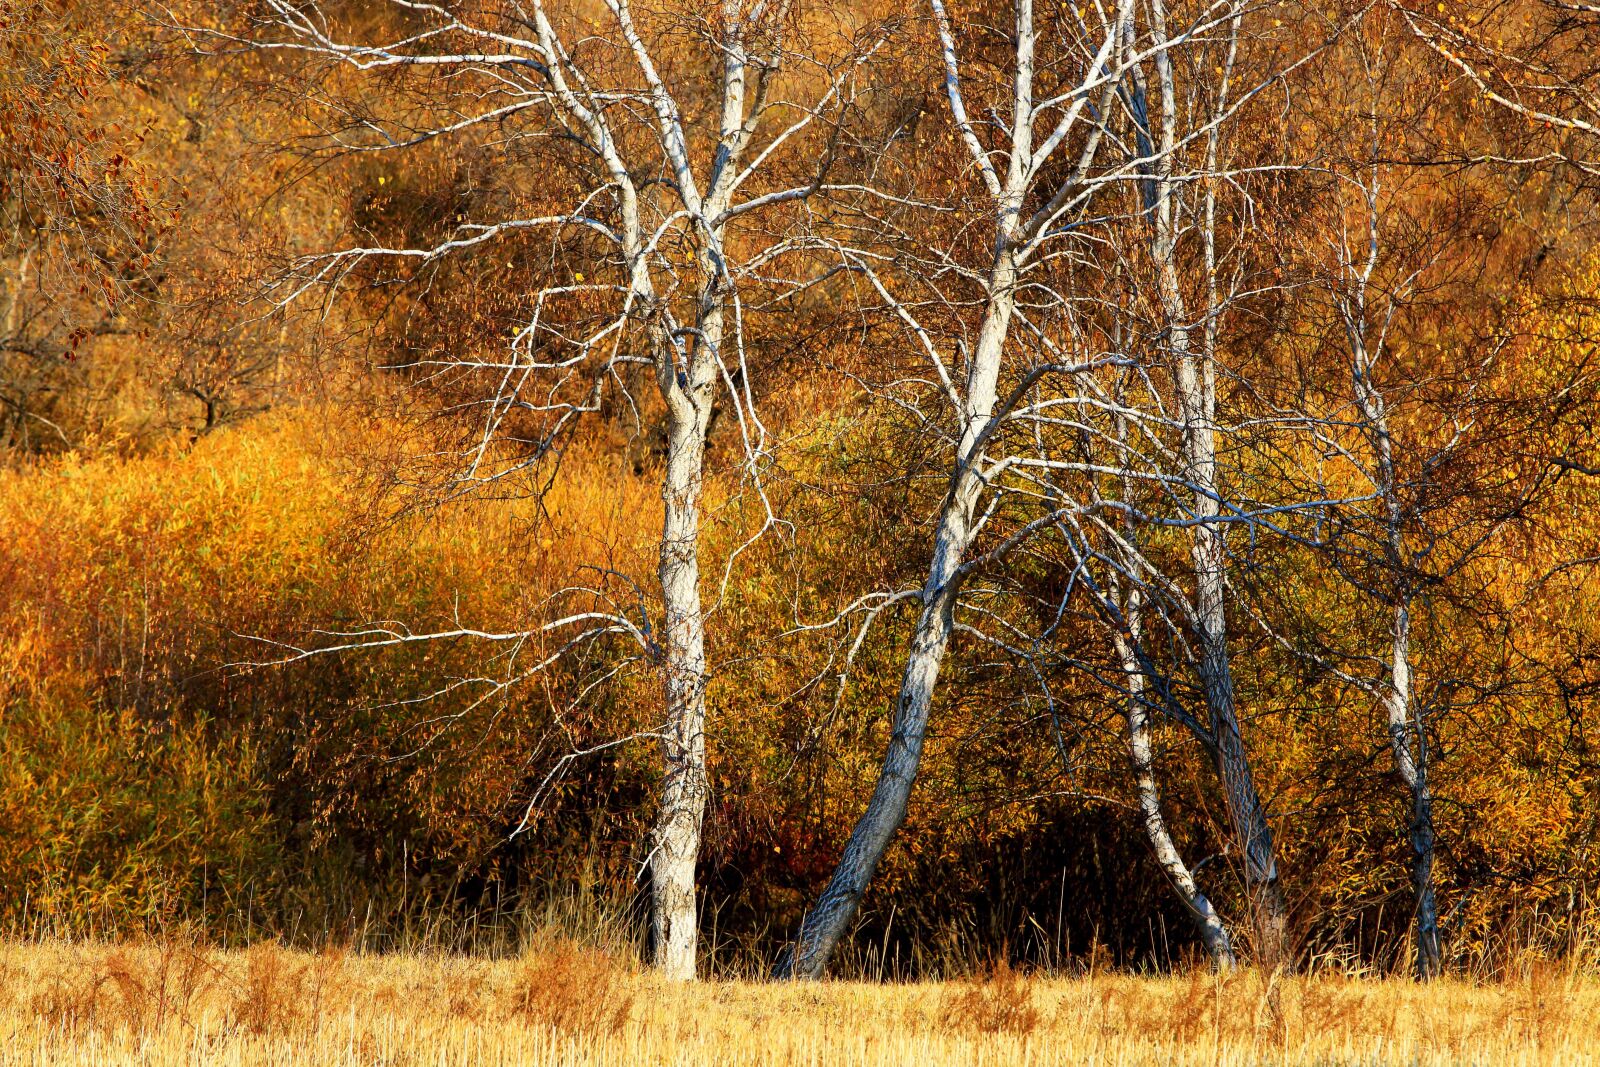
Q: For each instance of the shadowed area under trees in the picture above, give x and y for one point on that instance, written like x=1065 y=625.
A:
x=853 y=488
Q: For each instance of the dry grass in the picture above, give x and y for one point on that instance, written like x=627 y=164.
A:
x=175 y=1003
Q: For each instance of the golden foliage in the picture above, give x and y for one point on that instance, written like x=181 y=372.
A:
x=139 y=752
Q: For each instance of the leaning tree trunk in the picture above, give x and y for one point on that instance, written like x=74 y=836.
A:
x=1246 y=814
x=1195 y=378
x=1208 y=549
x=1126 y=638
x=676 y=845
x=1213 y=934
x=828 y=920
x=1248 y=819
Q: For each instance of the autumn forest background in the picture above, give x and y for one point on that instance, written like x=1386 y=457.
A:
x=220 y=459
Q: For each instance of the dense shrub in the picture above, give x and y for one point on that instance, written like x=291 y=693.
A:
x=148 y=776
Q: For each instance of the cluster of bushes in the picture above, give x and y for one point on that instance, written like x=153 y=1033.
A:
x=150 y=775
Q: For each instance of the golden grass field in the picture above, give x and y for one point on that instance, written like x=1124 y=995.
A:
x=67 y=1004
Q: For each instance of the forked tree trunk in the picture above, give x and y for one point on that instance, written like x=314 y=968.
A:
x=1196 y=382
x=1213 y=933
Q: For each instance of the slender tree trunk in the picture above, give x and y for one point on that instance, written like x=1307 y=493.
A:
x=1213 y=934
x=830 y=918
x=1410 y=761
x=1407 y=741
x=1248 y=819
x=1195 y=379
x=1246 y=815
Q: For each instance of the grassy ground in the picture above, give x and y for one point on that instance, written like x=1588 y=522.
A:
x=75 y=1004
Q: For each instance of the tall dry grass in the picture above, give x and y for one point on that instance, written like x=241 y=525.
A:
x=177 y=1002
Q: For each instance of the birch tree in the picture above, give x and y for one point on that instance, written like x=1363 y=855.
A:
x=1142 y=452
x=678 y=201
x=1017 y=231
x=1366 y=318
x=1125 y=630
x=1418 y=529
x=1066 y=131
x=1193 y=365
x=1422 y=433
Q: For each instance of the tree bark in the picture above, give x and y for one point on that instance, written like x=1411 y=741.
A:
x=676 y=848
x=1410 y=761
x=1213 y=934
x=1196 y=384
x=684 y=788
x=1195 y=381
x=1251 y=829
x=1246 y=815
x=828 y=920
x=1407 y=742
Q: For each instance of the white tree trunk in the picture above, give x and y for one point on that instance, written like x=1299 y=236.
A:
x=836 y=908
x=646 y=146
x=1411 y=764
x=685 y=787
x=676 y=847
x=1407 y=741
x=1195 y=379
x=1213 y=934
